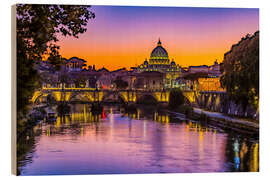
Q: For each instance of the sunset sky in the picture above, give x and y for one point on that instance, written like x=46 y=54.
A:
x=122 y=36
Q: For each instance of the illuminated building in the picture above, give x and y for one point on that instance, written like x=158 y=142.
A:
x=159 y=61
x=75 y=64
x=209 y=84
x=201 y=78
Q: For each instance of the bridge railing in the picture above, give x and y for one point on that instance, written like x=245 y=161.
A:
x=69 y=89
x=134 y=90
x=212 y=92
x=98 y=89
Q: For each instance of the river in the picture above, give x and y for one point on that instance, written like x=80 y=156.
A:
x=146 y=141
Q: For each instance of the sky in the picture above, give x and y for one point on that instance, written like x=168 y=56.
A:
x=124 y=36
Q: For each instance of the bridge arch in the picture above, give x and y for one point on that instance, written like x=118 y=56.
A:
x=36 y=96
x=148 y=98
x=113 y=96
x=39 y=97
x=187 y=101
x=190 y=97
x=80 y=96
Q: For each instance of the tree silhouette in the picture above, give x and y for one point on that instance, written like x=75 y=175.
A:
x=241 y=71
x=120 y=84
x=37 y=30
x=176 y=98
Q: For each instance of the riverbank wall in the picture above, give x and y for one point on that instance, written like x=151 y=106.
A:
x=235 y=125
x=223 y=104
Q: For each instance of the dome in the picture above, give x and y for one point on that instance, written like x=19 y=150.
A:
x=173 y=62
x=159 y=52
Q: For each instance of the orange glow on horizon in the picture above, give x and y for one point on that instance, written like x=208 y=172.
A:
x=132 y=55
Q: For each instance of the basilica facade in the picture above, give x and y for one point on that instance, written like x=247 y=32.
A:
x=159 y=62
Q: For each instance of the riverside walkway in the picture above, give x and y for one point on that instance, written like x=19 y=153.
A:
x=227 y=118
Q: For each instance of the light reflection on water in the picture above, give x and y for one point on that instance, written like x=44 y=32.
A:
x=140 y=142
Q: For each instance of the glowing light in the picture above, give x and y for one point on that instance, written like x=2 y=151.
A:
x=82 y=130
x=57 y=95
x=125 y=96
x=201 y=135
x=187 y=128
x=100 y=95
x=84 y=113
x=209 y=84
x=72 y=88
x=155 y=116
x=255 y=154
x=103 y=114
x=158 y=96
x=190 y=96
x=167 y=119
x=35 y=96
x=58 y=122
x=138 y=114
x=67 y=96
x=236 y=160
x=243 y=152
x=200 y=145
x=48 y=131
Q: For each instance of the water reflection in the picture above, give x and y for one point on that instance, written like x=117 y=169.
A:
x=144 y=141
x=26 y=145
x=236 y=154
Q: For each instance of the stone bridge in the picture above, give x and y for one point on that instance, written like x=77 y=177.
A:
x=127 y=96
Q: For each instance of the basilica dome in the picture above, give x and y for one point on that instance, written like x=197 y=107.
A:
x=159 y=55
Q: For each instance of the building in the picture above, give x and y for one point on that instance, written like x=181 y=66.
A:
x=213 y=70
x=202 y=78
x=183 y=84
x=150 y=80
x=123 y=72
x=209 y=84
x=159 y=62
x=75 y=64
x=198 y=69
x=125 y=75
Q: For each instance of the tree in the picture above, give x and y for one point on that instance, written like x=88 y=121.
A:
x=176 y=98
x=120 y=84
x=241 y=71
x=79 y=78
x=64 y=78
x=38 y=29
